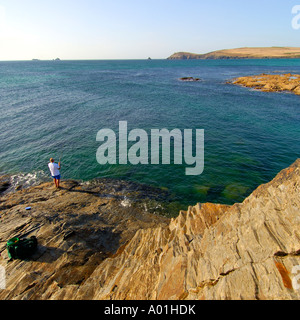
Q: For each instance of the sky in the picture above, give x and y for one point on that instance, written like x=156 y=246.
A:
x=138 y=29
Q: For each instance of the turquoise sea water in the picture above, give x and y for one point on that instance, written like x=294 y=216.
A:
x=56 y=108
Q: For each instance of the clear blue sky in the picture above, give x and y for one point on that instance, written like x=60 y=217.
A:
x=137 y=29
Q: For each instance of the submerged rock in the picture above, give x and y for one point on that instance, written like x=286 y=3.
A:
x=191 y=79
x=93 y=247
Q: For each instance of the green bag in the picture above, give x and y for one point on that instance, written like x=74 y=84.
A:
x=21 y=248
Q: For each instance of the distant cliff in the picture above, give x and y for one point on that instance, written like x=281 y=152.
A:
x=94 y=245
x=242 y=53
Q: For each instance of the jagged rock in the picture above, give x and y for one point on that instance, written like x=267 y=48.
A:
x=211 y=251
x=246 y=251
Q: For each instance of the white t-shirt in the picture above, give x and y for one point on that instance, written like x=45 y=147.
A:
x=54 y=169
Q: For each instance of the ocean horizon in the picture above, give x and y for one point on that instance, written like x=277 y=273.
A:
x=55 y=109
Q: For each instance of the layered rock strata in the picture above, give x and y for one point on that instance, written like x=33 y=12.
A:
x=249 y=250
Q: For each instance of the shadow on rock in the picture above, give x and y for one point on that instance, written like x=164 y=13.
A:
x=46 y=254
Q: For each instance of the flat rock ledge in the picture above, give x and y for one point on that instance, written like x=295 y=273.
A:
x=92 y=247
x=271 y=82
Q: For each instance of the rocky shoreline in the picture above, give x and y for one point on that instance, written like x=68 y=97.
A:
x=94 y=244
x=77 y=226
x=271 y=82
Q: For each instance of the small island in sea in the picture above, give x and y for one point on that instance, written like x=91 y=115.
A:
x=57 y=59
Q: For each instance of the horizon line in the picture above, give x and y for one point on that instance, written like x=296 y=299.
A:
x=82 y=59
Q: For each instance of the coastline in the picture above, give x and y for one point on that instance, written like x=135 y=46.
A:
x=152 y=199
x=95 y=246
x=207 y=104
x=242 y=53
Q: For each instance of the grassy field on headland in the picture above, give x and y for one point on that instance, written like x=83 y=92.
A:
x=242 y=53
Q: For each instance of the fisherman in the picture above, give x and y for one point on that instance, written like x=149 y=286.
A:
x=54 y=169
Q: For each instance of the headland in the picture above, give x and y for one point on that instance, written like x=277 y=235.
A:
x=242 y=53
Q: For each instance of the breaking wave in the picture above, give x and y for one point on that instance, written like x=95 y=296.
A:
x=26 y=180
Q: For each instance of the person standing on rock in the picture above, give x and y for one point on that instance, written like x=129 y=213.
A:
x=54 y=169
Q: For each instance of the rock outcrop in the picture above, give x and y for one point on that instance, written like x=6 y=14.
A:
x=189 y=79
x=92 y=248
x=77 y=227
x=271 y=82
x=184 y=56
x=242 y=53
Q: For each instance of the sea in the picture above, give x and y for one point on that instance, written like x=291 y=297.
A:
x=56 y=108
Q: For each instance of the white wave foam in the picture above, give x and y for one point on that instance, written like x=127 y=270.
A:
x=26 y=180
x=126 y=202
